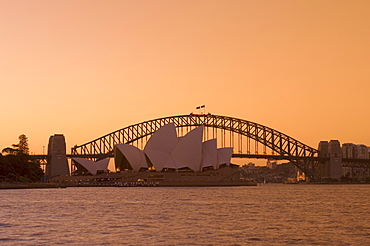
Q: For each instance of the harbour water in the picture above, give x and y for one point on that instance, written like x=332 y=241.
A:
x=257 y=215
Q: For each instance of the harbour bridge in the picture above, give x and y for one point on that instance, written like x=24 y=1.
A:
x=248 y=139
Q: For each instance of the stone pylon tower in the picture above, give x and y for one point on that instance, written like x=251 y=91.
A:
x=335 y=162
x=323 y=152
x=333 y=167
x=57 y=164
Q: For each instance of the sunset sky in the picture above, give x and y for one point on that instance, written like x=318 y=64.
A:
x=85 y=68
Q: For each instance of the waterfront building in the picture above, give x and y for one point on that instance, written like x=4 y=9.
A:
x=271 y=164
x=355 y=151
x=348 y=150
x=361 y=151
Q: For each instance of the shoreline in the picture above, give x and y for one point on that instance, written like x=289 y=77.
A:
x=4 y=185
x=57 y=185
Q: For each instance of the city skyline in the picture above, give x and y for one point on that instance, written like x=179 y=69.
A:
x=87 y=68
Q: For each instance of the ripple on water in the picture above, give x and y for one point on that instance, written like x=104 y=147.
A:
x=263 y=215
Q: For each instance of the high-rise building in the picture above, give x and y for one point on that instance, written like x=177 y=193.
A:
x=361 y=151
x=348 y=150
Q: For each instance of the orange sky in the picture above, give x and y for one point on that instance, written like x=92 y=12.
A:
x=85 y=68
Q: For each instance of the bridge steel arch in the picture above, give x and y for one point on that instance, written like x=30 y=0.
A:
x=281 y=144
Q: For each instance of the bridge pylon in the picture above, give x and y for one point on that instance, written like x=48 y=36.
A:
x=57 y=164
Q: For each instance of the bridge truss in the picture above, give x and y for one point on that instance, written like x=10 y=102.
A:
x=247 y=138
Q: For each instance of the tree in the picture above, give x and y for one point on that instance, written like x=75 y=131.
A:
x=20 y=168
x=18 y=165
x=18 y=149
x=23 y=144
x=10 y=150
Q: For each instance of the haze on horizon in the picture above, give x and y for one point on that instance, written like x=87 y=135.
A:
x=85 y=68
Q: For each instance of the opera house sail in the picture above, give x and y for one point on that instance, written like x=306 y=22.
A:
x=209 y=154
x=91 y=166
x=129 y=157
x=161 y=145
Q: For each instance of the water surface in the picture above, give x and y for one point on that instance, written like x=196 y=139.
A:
x=261 y=215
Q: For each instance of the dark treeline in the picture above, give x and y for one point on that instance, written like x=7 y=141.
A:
x=16 y=165
x=20 y=168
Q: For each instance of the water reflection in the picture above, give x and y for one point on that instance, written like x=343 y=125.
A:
x=262 y=215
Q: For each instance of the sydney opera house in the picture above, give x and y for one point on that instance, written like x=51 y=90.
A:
x=165 y=151
x=166 y=160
